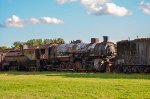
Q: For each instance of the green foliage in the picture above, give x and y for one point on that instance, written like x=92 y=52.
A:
x=38 y=42
x=3 y=47
x=58 y=41
x=17 y=44
x=58 y=85
x=47 y=41
x=34 y=42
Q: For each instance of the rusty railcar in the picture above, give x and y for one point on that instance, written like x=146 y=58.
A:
x=20 y=59
x=12 y=59
x=134 y=55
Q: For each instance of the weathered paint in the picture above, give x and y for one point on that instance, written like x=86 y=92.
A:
x=13 y=53
x=135 y=52
x=16 y=58
x=103 y=49
x=148 y=53
x=1 y=57
x=64 y=49
x=91 y=48
x=30 y=54
x=79 y=47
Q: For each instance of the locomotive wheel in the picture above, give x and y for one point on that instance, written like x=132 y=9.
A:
x=70 y=65
x=62 y=65
x=78 y=65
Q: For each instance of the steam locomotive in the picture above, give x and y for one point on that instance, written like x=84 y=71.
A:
x=75 y=56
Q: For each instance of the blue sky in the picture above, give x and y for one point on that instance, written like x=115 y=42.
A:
x=73 y=19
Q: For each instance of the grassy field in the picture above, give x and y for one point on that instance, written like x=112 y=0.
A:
x=37 y=85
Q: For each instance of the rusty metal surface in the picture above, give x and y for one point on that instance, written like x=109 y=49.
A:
x=45 y=46
x=91 y=48
x=1 y=56
x=53 y=50
x=30 y=54
x=13 y=53
x=141 y=52
x=16 y=58
x=45 y=54
x=46 y=51
x=134 y=52
x=148 y=53
x=79 y=47
x=126 y=52
x=64 y=49
x=103 y=49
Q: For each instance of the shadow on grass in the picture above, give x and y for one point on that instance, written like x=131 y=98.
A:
x=82 y=75
x=104 y=75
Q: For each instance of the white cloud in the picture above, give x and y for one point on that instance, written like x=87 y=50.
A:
x=104 y=7
x=33 y=21
x=145 y=7
x=16 y=22
x=51 y=20
x=101 y=7
x=65 y=1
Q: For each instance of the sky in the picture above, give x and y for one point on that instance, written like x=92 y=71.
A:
x=22 y=20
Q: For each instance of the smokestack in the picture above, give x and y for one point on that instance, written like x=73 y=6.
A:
x=105 y=39
x=94 y=40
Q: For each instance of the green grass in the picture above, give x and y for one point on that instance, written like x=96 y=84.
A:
x=37 y=85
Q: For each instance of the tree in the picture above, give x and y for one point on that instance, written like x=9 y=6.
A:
x=34 y=42
x=38 y=42
x=47 y=41
x=3 y=47
x=17 y=44
x=58 y=41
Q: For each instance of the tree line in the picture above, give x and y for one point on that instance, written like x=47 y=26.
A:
x=35 y=43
